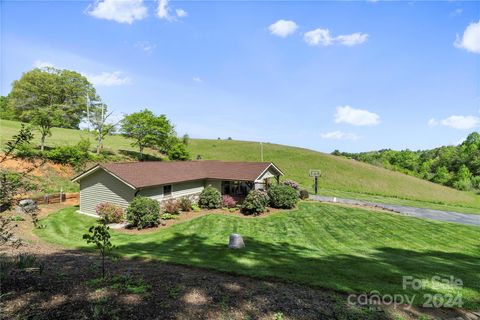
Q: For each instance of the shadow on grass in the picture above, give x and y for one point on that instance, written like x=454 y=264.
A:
x=381 y=271
x=136 y=155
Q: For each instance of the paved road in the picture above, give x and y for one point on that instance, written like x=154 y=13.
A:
x=448 y=216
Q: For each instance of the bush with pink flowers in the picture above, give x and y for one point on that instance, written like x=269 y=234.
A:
x=228 y=201
x=109 y=212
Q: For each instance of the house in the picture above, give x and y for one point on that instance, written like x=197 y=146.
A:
x=119 y=183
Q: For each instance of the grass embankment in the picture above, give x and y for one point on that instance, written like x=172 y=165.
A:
x=347 y=249
x=340 y=175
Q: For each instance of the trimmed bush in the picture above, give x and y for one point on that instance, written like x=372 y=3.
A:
x=210 y=198
x=295 y=185
x=255 y=202
x=283 y=196
x=304 y=194
x=109 y=212
x=171 y=206
x=228 y=201
x=143 y=212
x=185 y=204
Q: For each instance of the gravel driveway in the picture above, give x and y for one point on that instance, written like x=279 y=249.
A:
x=448 y=216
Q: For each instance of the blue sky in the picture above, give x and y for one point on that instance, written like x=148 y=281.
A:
x=353 y=76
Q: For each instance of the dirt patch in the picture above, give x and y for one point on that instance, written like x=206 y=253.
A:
x=41 y=167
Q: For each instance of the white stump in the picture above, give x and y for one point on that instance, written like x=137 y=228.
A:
x=236 y=241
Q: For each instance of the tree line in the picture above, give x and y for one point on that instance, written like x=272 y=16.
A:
x=453 y=166
x=50 y=97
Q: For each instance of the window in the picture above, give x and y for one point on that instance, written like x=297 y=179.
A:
x=167 y=190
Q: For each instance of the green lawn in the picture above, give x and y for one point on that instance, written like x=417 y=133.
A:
x=340 y=175
x=342 y=248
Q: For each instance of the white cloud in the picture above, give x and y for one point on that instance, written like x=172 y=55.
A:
x=145 y=46
x=352 y=39
x=318 y=37
x=339 y=135
x=457 y=122
x=43 y=64
x=108 y=79
x=197 y=79
x=163 y=11
x=470 y=40
x=122 y=11
x=181 y=13
x=283 y=28
x=323 y=37
x=357 y=117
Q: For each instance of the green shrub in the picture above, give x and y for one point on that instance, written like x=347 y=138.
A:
x=255 y=202
x=179 y=152
x=168 y=216
x=26 y=151
x=303 y=194
x=210 y=198
x=109 y=212
x=171 y=206
x=143 y=212
x=196 y=208
x=282 y=196
x=185 y=204
x=76 y=156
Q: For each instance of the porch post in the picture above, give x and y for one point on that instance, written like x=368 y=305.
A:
x=278 y=179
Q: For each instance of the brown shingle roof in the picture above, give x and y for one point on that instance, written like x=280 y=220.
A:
x=148 y=174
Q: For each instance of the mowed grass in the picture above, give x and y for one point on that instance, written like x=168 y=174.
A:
x=342 y=248
x=340 y=175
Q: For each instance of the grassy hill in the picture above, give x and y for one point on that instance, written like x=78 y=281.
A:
x=341 y=177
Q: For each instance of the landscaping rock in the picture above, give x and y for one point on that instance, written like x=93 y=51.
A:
x=236 y=241
x=26 y=206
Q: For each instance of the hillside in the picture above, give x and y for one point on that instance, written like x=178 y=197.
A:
x=341 y=177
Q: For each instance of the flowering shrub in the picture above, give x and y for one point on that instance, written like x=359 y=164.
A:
x=171 y=206
x=283 y=196
x=228 y=201
x=255 y=202
x=210 y=198
x=292 y=184
x=185 y=204
x=109 y=212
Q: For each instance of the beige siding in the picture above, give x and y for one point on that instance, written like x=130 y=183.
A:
x=270 y=173
x=101 y=186
x=178 y=190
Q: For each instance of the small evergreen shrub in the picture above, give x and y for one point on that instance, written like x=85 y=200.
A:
x=196 y=208
x=255 y=202
x=185 y=204
x=210 y=198
x=282 y=196
x=304 y=194
x=295 y=185
x=228 y=201
x=109 y=212
x=143 y=212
